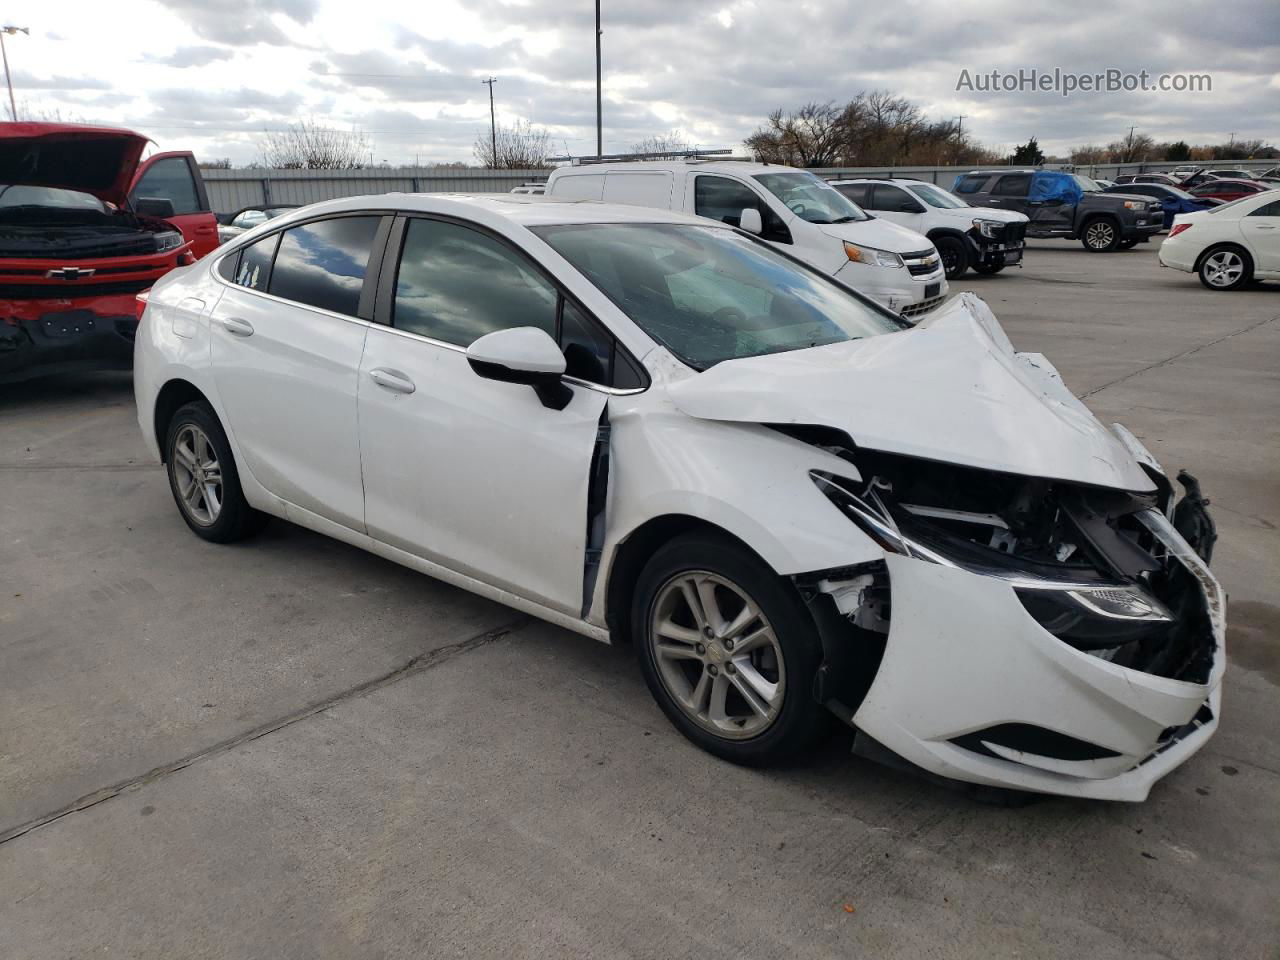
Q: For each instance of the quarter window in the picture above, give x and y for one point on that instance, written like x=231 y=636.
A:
x=171 y=179
x=1271 y=209
x=322 y=264
x=254 y=269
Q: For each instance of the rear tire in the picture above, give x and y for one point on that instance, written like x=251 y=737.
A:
x=203 y=477
x=955 y=256
x=735 y=673
x=1100 y=235
x=1225 y=268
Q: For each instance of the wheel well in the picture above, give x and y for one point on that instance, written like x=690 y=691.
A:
x=173 y=395
x=939 y=232
x=1091 y=218
x=634 y=552
x=1225 y=245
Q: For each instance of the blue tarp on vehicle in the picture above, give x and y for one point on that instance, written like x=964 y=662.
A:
x=1054 y=186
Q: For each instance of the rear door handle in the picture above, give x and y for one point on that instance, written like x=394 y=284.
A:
x=241 y=328
x=392 y=380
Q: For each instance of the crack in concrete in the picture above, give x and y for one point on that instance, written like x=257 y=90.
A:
x=418 y=664
x=1177 y=356
x=91 y=467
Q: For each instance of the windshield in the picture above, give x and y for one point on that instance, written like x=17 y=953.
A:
x=709 y=294
x=1087 y=185
x=20 y=195
x=810 y=198
x=937 y=197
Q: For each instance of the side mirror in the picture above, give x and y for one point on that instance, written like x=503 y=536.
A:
x=159 y=207
x=525 y=355
x=750 y=221
x=915 y=208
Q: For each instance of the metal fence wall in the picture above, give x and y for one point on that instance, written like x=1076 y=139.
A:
x=229 y=190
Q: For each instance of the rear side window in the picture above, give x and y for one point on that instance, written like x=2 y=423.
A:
x=322 y=264
x=171 y=179
x=254 y=269
x=1012 y=185
x=456 y=284
x=640 y=189
x=859 y=193
x=972 y=183
x=587 y=186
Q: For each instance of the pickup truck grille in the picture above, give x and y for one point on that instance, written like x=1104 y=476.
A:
x=1013 y=232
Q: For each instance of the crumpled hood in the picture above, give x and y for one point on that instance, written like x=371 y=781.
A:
x=950 y=389
x=71 y=156
x=969 y=214
x=878 y=233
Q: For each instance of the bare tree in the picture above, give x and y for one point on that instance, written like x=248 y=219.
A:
x=812 y=136
x=307 y=145
x=662 y=146
x=1133 y=148
x=1088 y=155
x=521 y=146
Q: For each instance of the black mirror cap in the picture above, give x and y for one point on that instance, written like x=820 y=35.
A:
x=159 y=207
x=550 y=388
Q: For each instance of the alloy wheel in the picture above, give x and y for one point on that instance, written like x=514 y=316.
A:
x=1223 y=268
x=1100 y=235
x=198 y=475
x=717 y=654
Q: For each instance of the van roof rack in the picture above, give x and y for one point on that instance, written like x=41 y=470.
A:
x=686 y=155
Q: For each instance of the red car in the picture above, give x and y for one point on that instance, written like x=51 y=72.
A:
x=1227 y=190
x=84 y=227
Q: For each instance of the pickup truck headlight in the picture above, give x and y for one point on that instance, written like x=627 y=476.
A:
x=877 y=258
x=169 y=240
x=1138 y=205
x=987 y=228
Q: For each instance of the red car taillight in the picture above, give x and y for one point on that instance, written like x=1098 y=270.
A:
x=140 y=303
x=1178 y=228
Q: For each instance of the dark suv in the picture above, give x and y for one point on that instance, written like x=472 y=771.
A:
x=1066 y=205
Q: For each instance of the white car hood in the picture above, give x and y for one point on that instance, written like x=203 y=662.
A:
x=969 y=214
x=951 y=390
x=878 y=233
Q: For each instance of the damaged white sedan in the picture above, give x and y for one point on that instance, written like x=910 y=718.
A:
x=657 y=429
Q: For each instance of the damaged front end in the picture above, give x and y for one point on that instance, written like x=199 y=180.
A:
x=1022 y=632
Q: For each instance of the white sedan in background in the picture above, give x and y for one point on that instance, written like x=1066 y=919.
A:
x=1229 y=245
x=658 y=429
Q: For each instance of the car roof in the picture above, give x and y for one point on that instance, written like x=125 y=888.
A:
x=527 y=210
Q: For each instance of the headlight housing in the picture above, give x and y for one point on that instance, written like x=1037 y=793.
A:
x=1139 y=205
x=988 y=228
x=168 y=240
x=870 y=255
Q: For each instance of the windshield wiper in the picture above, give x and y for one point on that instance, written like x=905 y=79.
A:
x=848 y=218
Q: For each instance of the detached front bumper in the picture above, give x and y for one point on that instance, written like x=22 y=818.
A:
x=971 y=687
x=62 y=335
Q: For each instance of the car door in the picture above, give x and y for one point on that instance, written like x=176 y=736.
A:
x=470 y=473
x=286 y=339
x=897 y=206
x=1261 y=229
x=175 y=177
x=1011 y=192
x=724 y=198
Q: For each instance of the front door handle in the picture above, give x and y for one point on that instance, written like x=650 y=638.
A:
x=241 y=328
x=1265 y=226
x=392 y=380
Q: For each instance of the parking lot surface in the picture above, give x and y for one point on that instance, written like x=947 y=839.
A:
x=290 y=748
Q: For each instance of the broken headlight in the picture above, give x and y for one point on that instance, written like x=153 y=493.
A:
x=168 y=240
x=1077 y=605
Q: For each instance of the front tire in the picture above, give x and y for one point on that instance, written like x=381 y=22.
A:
x=1225 y=268
x=203 y=477
x=989 y=269
x=955 y=258
x=1100 y=235
x=728 y=650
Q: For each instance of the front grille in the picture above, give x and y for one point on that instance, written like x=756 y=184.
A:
x=924 y=306
x=922 y=262
x=1012 y=232
x=70 y=291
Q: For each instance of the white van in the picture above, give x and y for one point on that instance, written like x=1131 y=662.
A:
x=784 y=205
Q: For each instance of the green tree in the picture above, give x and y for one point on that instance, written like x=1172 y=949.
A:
x=1027 y=154
x=1179 y=151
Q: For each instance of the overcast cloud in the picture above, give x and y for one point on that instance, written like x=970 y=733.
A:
x=210 y=76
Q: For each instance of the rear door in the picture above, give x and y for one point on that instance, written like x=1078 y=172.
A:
x=176 y=177
x=286 y=339
x=1011 y=192
x=469 y=473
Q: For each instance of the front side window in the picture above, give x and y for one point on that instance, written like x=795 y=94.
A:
x=1086 y=184
x=708 y=294
x=937 y=197
x=895 y=200
x=1271 y=209
x=254 y=268
x=170 y=179
x=456 y=284
x=322 y=264
x=723 y=199
x=811 y=198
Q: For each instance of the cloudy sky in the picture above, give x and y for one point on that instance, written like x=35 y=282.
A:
x=211 y=75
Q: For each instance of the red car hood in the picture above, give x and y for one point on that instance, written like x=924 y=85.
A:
x=96 y=160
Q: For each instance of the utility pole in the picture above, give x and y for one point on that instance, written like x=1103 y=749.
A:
x=599 y=122
x=493 y=125
x=13 y=110
x=960 y=125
